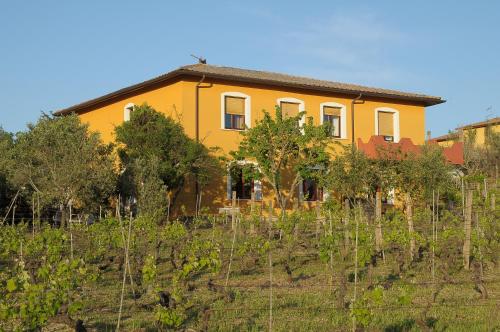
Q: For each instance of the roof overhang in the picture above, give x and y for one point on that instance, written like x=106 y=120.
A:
x=185 y=73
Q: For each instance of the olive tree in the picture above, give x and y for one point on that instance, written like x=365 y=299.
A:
x=65 y=163
x=281 y=146
x=152 y=138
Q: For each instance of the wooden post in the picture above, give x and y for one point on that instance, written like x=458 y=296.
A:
x=346 y=223
x=356 y=220
x=270 y=267
x=168 y=207
x=252 y=213
x=270 y=216
x=318 y=221
x=33 y=216
x=235 y=229
x=467 y=228
x=38 y=210
x=126 y=249
x=331 y=250
x=70 y=229
x=492 y=201
x=463 y=196
x=233 y=211
x=409 y=220
x=13 y=214
x=433 y=234
x=378 y=221
x=479 y=235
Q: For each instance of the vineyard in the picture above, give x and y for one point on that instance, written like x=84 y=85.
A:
x=309 y=271
x=399 y=244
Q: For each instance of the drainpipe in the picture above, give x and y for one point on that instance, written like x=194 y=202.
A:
x=355 y=101
x=197 y=108
x=197 y=130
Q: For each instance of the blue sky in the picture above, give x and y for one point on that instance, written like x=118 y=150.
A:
x=57 y=53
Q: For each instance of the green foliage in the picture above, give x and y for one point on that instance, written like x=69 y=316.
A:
x=104 y=239
x=282 y=147
x=199 y=256
x=152 y=194
x=149 y=271
x=169 y=318
x=154 y=148
x=350 y=173
x=41 y=281
x=6 y=166
x=61 y=159
x=363 y=309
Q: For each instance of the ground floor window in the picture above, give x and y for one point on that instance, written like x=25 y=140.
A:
x=242 y=184
x=311 y=191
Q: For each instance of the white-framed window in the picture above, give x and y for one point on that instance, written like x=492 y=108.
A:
x=291 y=107
x=387 y=123
x=335 y=114
x=127 y=110
x=243 y=187
x=235 y=109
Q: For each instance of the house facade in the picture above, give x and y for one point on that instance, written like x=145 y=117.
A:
x=214 y=104
x=477 y=133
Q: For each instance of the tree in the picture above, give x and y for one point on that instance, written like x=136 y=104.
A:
x=64 y=162
x=6 y=165
x=415 y=177
x=283 y=148
x=151 y=136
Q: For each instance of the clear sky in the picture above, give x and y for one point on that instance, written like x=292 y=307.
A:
x=54 y=54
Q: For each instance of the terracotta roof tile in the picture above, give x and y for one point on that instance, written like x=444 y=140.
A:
x=254 y=76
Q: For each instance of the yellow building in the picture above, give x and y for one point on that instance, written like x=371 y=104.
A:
x=215 y=103
x=476 y=133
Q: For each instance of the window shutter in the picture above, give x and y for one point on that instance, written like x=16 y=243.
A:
x=126 y=114
x=229 y=186
x=326 y=195
x=329 y=110
x=257 y=189
x=336 y=126
x=385 y=124
x=235 y=105
x=289 y=109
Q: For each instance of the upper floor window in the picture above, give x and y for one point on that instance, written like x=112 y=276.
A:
x=235 y=111
x=291 y=107
x=289 y=110
x=335 y=115
x=127 y=110
x=387 y=124
x=331 y=115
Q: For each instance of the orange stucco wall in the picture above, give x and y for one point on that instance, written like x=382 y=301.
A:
x=479 y=135
x=167 y=99
x=177 y=100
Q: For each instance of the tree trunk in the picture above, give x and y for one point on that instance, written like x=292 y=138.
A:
x=409 y=219
x=467 y=228
x=64 y=217
x=378 y=221
x=346 y=223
